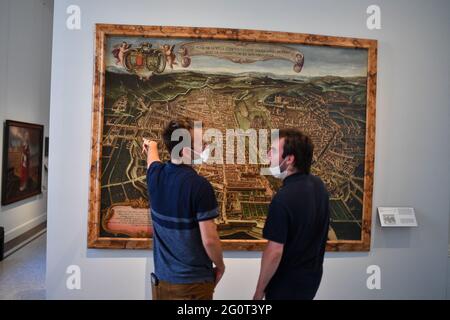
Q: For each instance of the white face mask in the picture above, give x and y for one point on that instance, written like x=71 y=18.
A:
x=277 y=173
x=202 y=157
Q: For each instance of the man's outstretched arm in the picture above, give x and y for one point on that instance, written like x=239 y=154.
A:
x=151 y=147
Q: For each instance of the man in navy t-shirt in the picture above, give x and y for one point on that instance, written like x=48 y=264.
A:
x=297 y=223
x=183 y=209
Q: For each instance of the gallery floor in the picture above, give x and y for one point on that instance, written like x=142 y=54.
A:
x=22 y=274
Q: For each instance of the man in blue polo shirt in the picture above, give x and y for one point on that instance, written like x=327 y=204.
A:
x=297 y=223
x=183 y=208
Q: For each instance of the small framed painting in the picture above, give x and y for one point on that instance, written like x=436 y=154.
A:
x=22 y=161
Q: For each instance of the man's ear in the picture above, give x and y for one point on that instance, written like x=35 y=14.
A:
x=186 y=152
x=290 y=159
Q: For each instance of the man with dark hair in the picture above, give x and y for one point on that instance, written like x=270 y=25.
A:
x=183 y=209
x=297 y=223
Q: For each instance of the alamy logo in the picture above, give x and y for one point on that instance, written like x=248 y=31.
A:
x=73 y=281
x=236 y=147
x=73 y=21
x=374 y=280
x=374 y=20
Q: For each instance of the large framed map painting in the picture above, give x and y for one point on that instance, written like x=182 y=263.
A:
x=228 y=79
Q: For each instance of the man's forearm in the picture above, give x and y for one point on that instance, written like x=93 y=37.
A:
x=152 y=154
x=269 y=264
x=214 y=251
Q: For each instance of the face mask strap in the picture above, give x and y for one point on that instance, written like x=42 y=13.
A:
x=281 y=163
x=200 y=155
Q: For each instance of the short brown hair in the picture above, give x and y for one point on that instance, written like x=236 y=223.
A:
x=299 y=145
x=173 y=125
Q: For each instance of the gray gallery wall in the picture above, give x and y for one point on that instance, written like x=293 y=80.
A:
x=25 y=64
x=412 y=144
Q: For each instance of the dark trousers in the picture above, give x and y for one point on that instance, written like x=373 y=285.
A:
x=294 y=285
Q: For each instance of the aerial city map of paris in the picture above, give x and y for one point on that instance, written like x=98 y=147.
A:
x=228 y=79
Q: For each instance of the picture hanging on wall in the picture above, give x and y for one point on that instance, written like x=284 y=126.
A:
x=22 y=161
x=230 y=79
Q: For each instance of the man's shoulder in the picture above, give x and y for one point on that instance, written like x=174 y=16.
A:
x=153 y=174
x=311 y=181
x=155 y=165
x=281 y=198
x=318 y=182
x=201 y=179
x=189 y=176
x=315 y=179
x=198 y=181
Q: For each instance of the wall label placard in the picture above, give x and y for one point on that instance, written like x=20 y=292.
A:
x=397 y=217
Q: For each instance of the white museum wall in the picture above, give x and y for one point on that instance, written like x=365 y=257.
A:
x=25 y=70
x=448 y=279
x=412 y=154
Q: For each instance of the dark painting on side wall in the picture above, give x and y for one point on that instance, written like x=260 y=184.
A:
x=22 y=161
